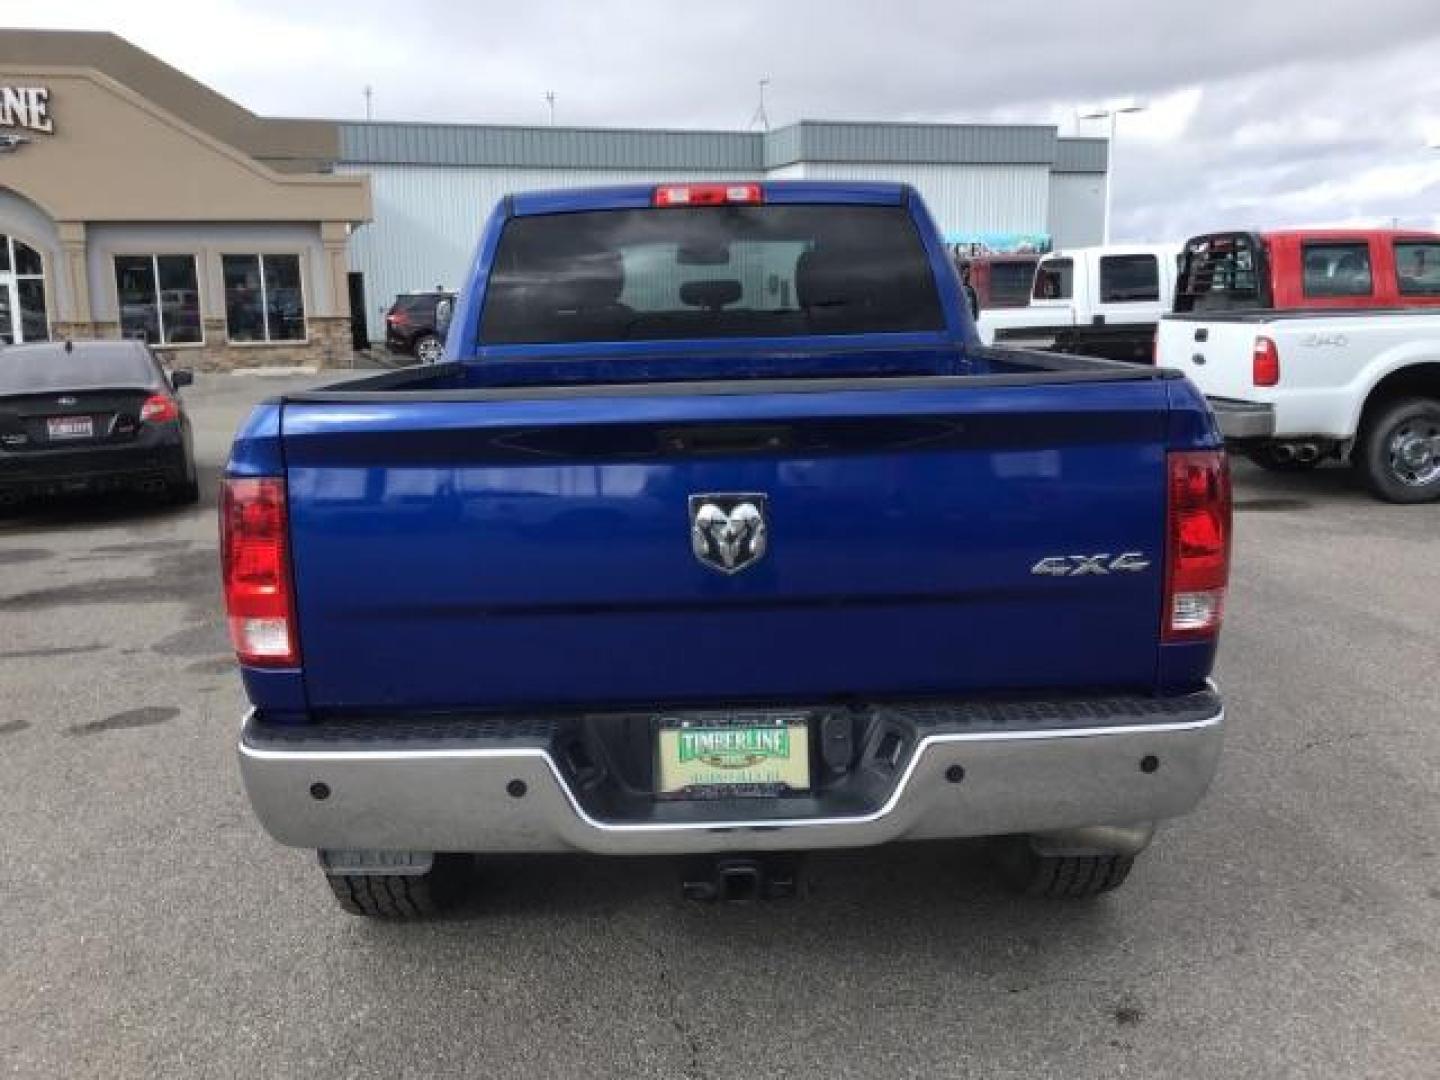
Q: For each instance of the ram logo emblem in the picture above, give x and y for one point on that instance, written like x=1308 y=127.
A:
x=728 y=532
x=1130 y=562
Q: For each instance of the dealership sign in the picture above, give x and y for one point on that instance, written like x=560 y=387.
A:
x=26 y=107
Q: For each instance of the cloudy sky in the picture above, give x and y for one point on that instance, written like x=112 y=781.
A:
x=1263 y=112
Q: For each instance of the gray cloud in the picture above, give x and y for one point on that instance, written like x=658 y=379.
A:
x=1299 y=106
x=1327 y=140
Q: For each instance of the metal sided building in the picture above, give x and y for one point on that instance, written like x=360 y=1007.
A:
x=990 y=187
x=137 y=202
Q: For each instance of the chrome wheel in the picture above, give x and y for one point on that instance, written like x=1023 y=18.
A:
x=429 y=350
x=1414 y=451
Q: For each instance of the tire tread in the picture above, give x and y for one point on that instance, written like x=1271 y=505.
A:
x=1061 y=877
x=399 y=896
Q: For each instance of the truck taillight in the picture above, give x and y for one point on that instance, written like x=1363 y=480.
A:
x=1266 y=363
x=708 y=195
x=1197 y=544
x=255 y=570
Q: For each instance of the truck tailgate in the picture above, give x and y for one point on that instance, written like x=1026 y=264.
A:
x=459 y=553
x=1216 y=355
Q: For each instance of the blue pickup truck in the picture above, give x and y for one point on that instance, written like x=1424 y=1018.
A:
x=720 y=534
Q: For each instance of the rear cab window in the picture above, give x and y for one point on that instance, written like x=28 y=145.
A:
x=709 y=272
x=1011 y=281
x=1222 y=272
x=1126 y=279
x=52 y=369
x=1333 y=268
x=1417 y=267
x=1054 y=280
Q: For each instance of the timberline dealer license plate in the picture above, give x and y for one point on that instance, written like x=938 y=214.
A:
x=742 y=754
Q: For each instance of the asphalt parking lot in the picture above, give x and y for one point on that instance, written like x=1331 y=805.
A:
x=1291 y=928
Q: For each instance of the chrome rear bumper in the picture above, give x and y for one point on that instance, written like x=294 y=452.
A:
x=1243 y=420
x=486 y=798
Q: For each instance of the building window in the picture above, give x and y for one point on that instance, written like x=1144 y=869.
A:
x=263 y=299
x=1128 y=279
x=22 y=293
x=1337 y=269
x=159 y=299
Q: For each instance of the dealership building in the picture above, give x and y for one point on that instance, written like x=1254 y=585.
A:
x=135 y=201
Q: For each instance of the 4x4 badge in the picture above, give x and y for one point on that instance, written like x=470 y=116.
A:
x=1081 y=565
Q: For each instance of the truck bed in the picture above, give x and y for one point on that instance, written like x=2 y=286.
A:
x=461 y=546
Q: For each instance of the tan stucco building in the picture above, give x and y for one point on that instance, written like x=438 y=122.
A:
x=135 y=201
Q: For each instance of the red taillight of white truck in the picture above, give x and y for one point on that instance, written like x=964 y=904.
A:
x=255 y=569
x=1197 y=544
x=1265 y=363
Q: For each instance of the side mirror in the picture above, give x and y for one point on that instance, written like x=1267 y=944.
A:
x=181 y=377
x=444 y=310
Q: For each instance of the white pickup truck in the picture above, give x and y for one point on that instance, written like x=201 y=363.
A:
x=1095 y=301
x=1295 y=388
x=1303 y=363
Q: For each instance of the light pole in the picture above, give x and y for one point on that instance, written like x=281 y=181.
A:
x=1112 y=114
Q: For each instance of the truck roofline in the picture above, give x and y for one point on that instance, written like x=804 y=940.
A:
x=1321 y=232
x=1149 y=248
x=640 y=196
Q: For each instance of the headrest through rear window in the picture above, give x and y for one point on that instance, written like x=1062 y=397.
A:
x=825 y=278
x=711 y=295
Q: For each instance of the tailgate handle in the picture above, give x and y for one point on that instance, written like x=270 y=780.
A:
x=726 y=439
x=1202 y=334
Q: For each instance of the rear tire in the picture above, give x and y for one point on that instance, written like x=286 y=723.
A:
x=429 y=349
x=1029 y=872
x=1398 y=453
x=403 y=896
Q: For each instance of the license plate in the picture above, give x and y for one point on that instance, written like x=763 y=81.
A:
x=751 y=754
x=70 y=427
